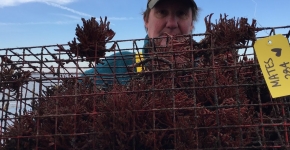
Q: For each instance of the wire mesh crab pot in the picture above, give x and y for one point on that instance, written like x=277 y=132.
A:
x=180 y=95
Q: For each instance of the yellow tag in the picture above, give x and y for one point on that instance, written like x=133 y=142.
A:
x=273 y=54
x=138 y=58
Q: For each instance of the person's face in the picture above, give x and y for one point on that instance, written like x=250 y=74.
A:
x=170 y=16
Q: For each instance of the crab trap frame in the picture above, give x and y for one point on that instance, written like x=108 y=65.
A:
x=179 y=95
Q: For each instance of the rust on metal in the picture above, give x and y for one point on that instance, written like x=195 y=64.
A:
x=207 y=94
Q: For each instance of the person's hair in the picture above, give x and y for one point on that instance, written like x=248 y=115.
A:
x=194 y=10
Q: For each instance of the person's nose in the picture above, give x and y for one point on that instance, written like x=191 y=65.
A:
x=172 y=22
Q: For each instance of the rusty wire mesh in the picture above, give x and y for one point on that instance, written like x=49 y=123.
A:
x=206 y=96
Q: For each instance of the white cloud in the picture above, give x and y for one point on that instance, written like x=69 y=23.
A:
x=97 y=18
x=38 y=23
x=70 y=16
x=68 y=9
x=57 y=4
x=120 y=18
x=5 y=3
x=75 y=19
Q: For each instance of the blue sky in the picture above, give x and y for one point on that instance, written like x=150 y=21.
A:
x=49 y=22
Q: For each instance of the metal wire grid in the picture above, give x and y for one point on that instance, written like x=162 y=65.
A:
x=50 y=67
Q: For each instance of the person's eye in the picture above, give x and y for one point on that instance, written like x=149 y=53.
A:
x=182 y=14
x=161 y=13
